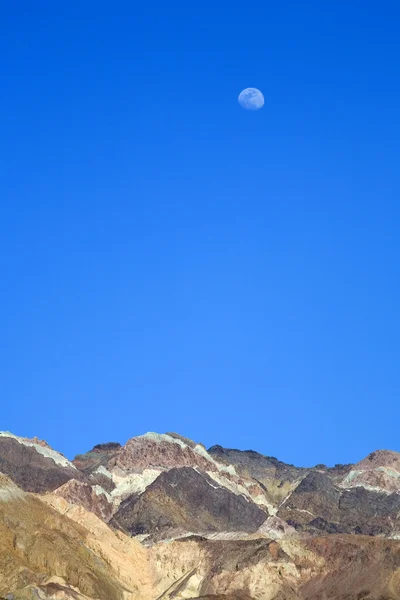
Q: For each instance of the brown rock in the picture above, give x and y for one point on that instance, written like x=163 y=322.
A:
x=185 y=498
x=32 y=471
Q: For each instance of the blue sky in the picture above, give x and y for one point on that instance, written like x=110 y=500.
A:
x=171 y=262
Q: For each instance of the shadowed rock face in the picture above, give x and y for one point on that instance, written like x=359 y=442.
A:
x=32 y=471
x=317 y=504
x=368 y=512
x=185 y=498
x=315 y=497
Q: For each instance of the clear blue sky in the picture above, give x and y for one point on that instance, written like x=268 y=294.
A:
x=170 y=261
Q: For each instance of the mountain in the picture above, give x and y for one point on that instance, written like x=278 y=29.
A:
x=162 y=517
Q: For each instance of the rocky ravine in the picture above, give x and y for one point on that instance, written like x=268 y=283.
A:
x=162 y=517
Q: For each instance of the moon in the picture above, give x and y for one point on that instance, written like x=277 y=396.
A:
x=251 y=99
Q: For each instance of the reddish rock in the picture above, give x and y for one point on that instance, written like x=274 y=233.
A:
x=82 y=494
x=164 y=451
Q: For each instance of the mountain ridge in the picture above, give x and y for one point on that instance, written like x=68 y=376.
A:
x=193 y=522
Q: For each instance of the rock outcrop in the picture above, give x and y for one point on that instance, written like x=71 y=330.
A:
x=93 y=498
x=33 y=465
x=188 y=500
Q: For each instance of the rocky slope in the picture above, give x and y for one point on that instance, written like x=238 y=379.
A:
x=188 y=501
x=162 y=517
x=44 y=553
x=33 y=465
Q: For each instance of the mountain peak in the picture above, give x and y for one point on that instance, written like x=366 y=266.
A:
x=381 y=458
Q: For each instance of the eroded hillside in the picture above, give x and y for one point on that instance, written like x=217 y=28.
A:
x=163 y=517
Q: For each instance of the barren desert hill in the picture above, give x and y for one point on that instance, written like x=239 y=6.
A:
x=163 y=517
